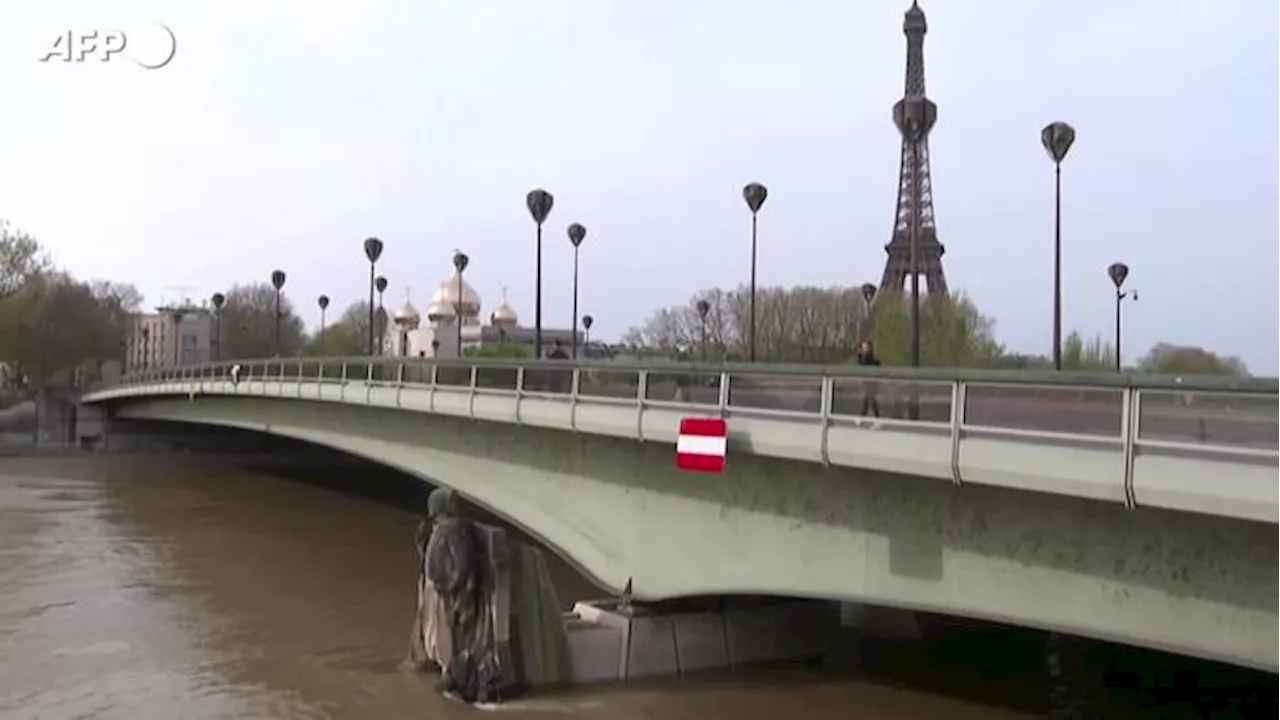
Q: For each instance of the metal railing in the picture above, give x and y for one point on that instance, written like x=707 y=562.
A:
x=1233 y=416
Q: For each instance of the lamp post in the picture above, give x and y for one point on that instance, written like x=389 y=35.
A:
x=539 y=203
x=1057 y=139
x=277 y=282
x=218 y=300
x=460 y=262
x=372 y=251
x=1118 y=272
x=914 y=115
x=380 y=284
x=755 y=195
x=577 y=233
x=704 y=308
x=587 y=322
x=323 y=302
x=868 y=306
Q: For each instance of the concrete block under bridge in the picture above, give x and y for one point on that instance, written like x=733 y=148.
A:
x=610 y=642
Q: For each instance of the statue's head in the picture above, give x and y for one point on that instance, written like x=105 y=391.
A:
x=442 y=502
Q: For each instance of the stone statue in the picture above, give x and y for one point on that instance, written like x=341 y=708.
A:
x=488 y=618
x=430 y=646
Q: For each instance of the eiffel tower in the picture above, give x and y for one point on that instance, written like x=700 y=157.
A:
x=914 y=169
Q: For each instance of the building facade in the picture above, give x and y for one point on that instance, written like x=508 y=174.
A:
x=170 y=337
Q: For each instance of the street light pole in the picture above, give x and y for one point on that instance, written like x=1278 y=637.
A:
x=277 y=282
x=754 y=194
x=914 y=115
x=1118 y=272
x=218 y=300
x=1057 y=138
x=539 y=203
x=372 y=251
x=460 y=262
x=380 y=284
x=704 y=308
x=868 y=297
x=323 y=302
x=577 y=233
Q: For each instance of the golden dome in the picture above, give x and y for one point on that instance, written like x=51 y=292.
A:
x=504 y=316
x=448 y=295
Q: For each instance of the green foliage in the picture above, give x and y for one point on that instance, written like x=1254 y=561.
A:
x=1167 y=359
x=501 y=350
x=349 y=334
x=249 y=323
x=953 y=332
x=1093 y=355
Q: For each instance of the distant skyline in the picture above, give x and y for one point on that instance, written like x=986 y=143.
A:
x=282 y=137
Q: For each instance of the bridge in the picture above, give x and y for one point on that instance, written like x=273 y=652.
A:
x=1128 y=508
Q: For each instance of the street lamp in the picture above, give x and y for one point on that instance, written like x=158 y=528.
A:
x=218 y=300
x=539 y=202
x=704 y=307
x=380 y=284
x=1118 y=272
x=577 y=233
x=868 y=319
x=177 y=336
x=460 y=262
x=914 y=115
x=1057 y=139
x=755 y=195
x=373 y=251
x=277 y=282
x=323 y=302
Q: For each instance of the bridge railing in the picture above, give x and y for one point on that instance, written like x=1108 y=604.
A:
x=975 y=420
x=1223 y=413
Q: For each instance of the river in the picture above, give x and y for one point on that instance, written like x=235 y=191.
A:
x=179 y=586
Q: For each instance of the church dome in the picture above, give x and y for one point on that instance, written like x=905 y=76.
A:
x=448 y=295
x=407 y=315
x=504 y=316
x=439 y=311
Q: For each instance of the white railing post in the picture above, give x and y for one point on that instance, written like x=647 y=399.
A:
x=575 y=378
x=1130 y=413
x=722 y=396
x=399 y=382
x=959 y=395
x=473 y=376
x=826 y=399
x=519 y=393
x=642 y=389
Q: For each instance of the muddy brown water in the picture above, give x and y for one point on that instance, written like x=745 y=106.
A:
x=161 y=587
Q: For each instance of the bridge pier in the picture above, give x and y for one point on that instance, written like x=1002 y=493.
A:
x=608 y=642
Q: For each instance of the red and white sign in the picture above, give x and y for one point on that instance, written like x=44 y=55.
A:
x=702 y=444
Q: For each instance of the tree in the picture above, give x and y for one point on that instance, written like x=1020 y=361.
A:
x=349 y=335
x=58 y=330
x=1168 y=359
x=249 y=323
x=1093 y=355
x=21 y=258
x=501 y=350
x=800 y=324
x=953 y=332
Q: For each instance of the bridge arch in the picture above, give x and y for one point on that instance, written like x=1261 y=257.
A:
x=618 y=509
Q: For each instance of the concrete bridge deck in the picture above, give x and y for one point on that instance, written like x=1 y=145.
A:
x=1195 y=444
x=1161 y=545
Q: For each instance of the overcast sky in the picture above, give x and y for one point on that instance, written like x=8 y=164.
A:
x=283 y=133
